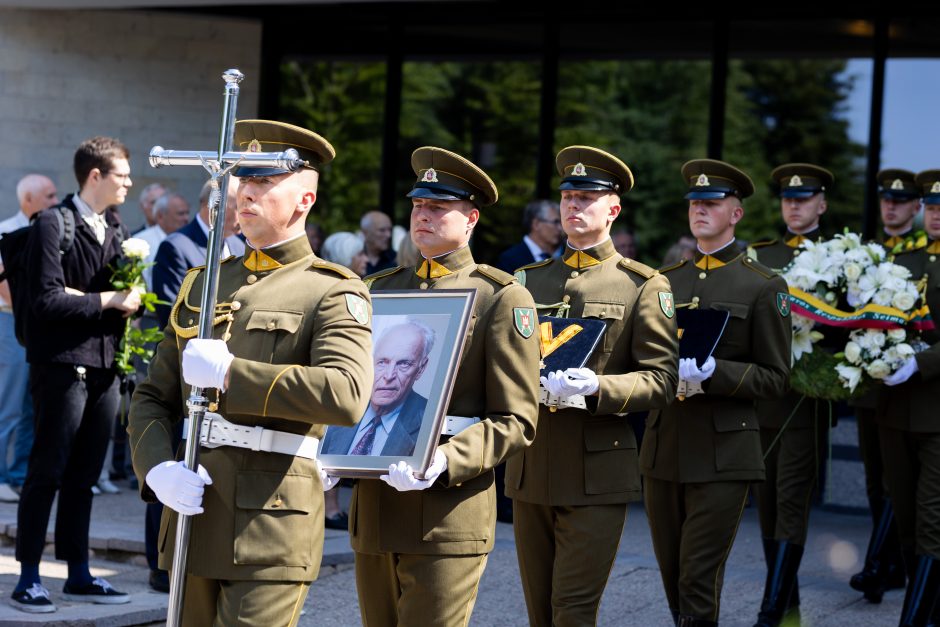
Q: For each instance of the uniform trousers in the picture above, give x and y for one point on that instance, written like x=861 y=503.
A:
x=217 y=603
x=870 y=451
x=693 y=526
x=912 y=470
x=73 y=417
x=404 y=590
x=785 y=497
x=565 y=556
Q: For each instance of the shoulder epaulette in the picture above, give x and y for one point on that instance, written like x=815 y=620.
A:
x=766 y=242
x=536 y=264
x=640 y=268
x=370 y=279
x=678 y=264
x=503 y=278
x=343 y=271
x=757 y=267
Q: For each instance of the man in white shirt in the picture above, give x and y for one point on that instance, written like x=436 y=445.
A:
x=34 y=192
x=170 y=214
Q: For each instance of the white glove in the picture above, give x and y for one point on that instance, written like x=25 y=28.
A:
x=571 y=382
x=689 y=371
x=401 y=476
x=329 y=481
x=902 y=374
x=206 y=362
x=179 y=488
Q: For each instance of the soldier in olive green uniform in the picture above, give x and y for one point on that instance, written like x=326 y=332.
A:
x=909 y=430
x=794 y=429
x=701 y=452
x=571 y=487
x=421 y=546
x=884 y=566
x=292 y=353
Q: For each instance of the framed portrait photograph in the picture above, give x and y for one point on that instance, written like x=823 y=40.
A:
x=417 y=342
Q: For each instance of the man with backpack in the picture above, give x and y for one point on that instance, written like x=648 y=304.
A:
x=72 y=325
x=34 y=192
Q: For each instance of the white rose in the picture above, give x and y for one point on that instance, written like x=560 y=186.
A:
x=849 y=375
x=853 y=352
x=904 y=351
x=853 y=271
x=878 y=369
x=897 y=335
x=135 y=248
x=904 y=301
x=877 y=337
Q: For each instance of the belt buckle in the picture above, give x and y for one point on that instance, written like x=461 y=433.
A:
x=205 y=431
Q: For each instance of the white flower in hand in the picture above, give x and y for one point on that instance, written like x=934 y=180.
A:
x=135 y=248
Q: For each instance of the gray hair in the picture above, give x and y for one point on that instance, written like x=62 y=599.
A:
x=146 y=191
x=29 y=183
x=427 y=335
x=341 y=248
x=163 y=203
x=536 y=209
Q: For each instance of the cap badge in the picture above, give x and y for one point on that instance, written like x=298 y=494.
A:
x=579 y=170
x=796 y=181
x=430 y=176
x=897 y=184
x=702 y=181
x=935 y=189
x=254 y=146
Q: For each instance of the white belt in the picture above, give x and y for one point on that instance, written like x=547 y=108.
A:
x=554 y=402
x=217 y=431
x=455 y=424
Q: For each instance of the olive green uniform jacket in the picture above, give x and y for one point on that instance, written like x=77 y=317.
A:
x=714 y=436
x=497 y=381
x=589 y=457
x=303 y=359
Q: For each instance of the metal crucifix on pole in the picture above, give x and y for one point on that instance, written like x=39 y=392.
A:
x=218 y=164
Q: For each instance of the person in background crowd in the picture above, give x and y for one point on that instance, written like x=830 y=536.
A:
x=376 y=229
x=148 y=196
x=75 y=323
x=345 y=249
x=170 y=213
x=408 y=255
x=624 y=242
x=34 y=192
x=542 y=224
x=683 y=249
x=315 y=235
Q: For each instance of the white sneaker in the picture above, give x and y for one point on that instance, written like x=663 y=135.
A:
x=7 y=495
x=107 y=487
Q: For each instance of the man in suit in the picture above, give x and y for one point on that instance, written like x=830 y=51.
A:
x=701 y=452
x=290 y=354
x=542 y=223
x=186 y=249
x=391 y=423
x=570 y=489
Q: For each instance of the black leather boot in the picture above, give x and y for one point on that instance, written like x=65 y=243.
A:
x=793 y=607
x=781 y=578
x=922 y=592
x=884 y=569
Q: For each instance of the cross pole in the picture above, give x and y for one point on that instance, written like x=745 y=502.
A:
x=218 y=164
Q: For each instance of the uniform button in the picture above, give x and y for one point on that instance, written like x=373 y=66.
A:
x=236 y=306
x=603 y=313
x=270 y=326
x=575 y=274
x=933 y=257
x=743 y=424
x=251 y=279
x=191 y=322
x=796 y=253
x=423 y=285
x=702 y=275
x=616 y=442
x=278 y=502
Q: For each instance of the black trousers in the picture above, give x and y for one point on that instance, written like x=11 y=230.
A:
x=74 y=413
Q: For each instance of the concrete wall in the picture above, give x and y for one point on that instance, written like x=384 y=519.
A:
x=146 y=78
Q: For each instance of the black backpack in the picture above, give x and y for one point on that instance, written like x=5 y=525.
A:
x=15 y=253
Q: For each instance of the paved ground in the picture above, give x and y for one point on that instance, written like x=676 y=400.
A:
x=634 y=595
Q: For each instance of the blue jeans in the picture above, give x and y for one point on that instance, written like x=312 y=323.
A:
x=16 y=405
